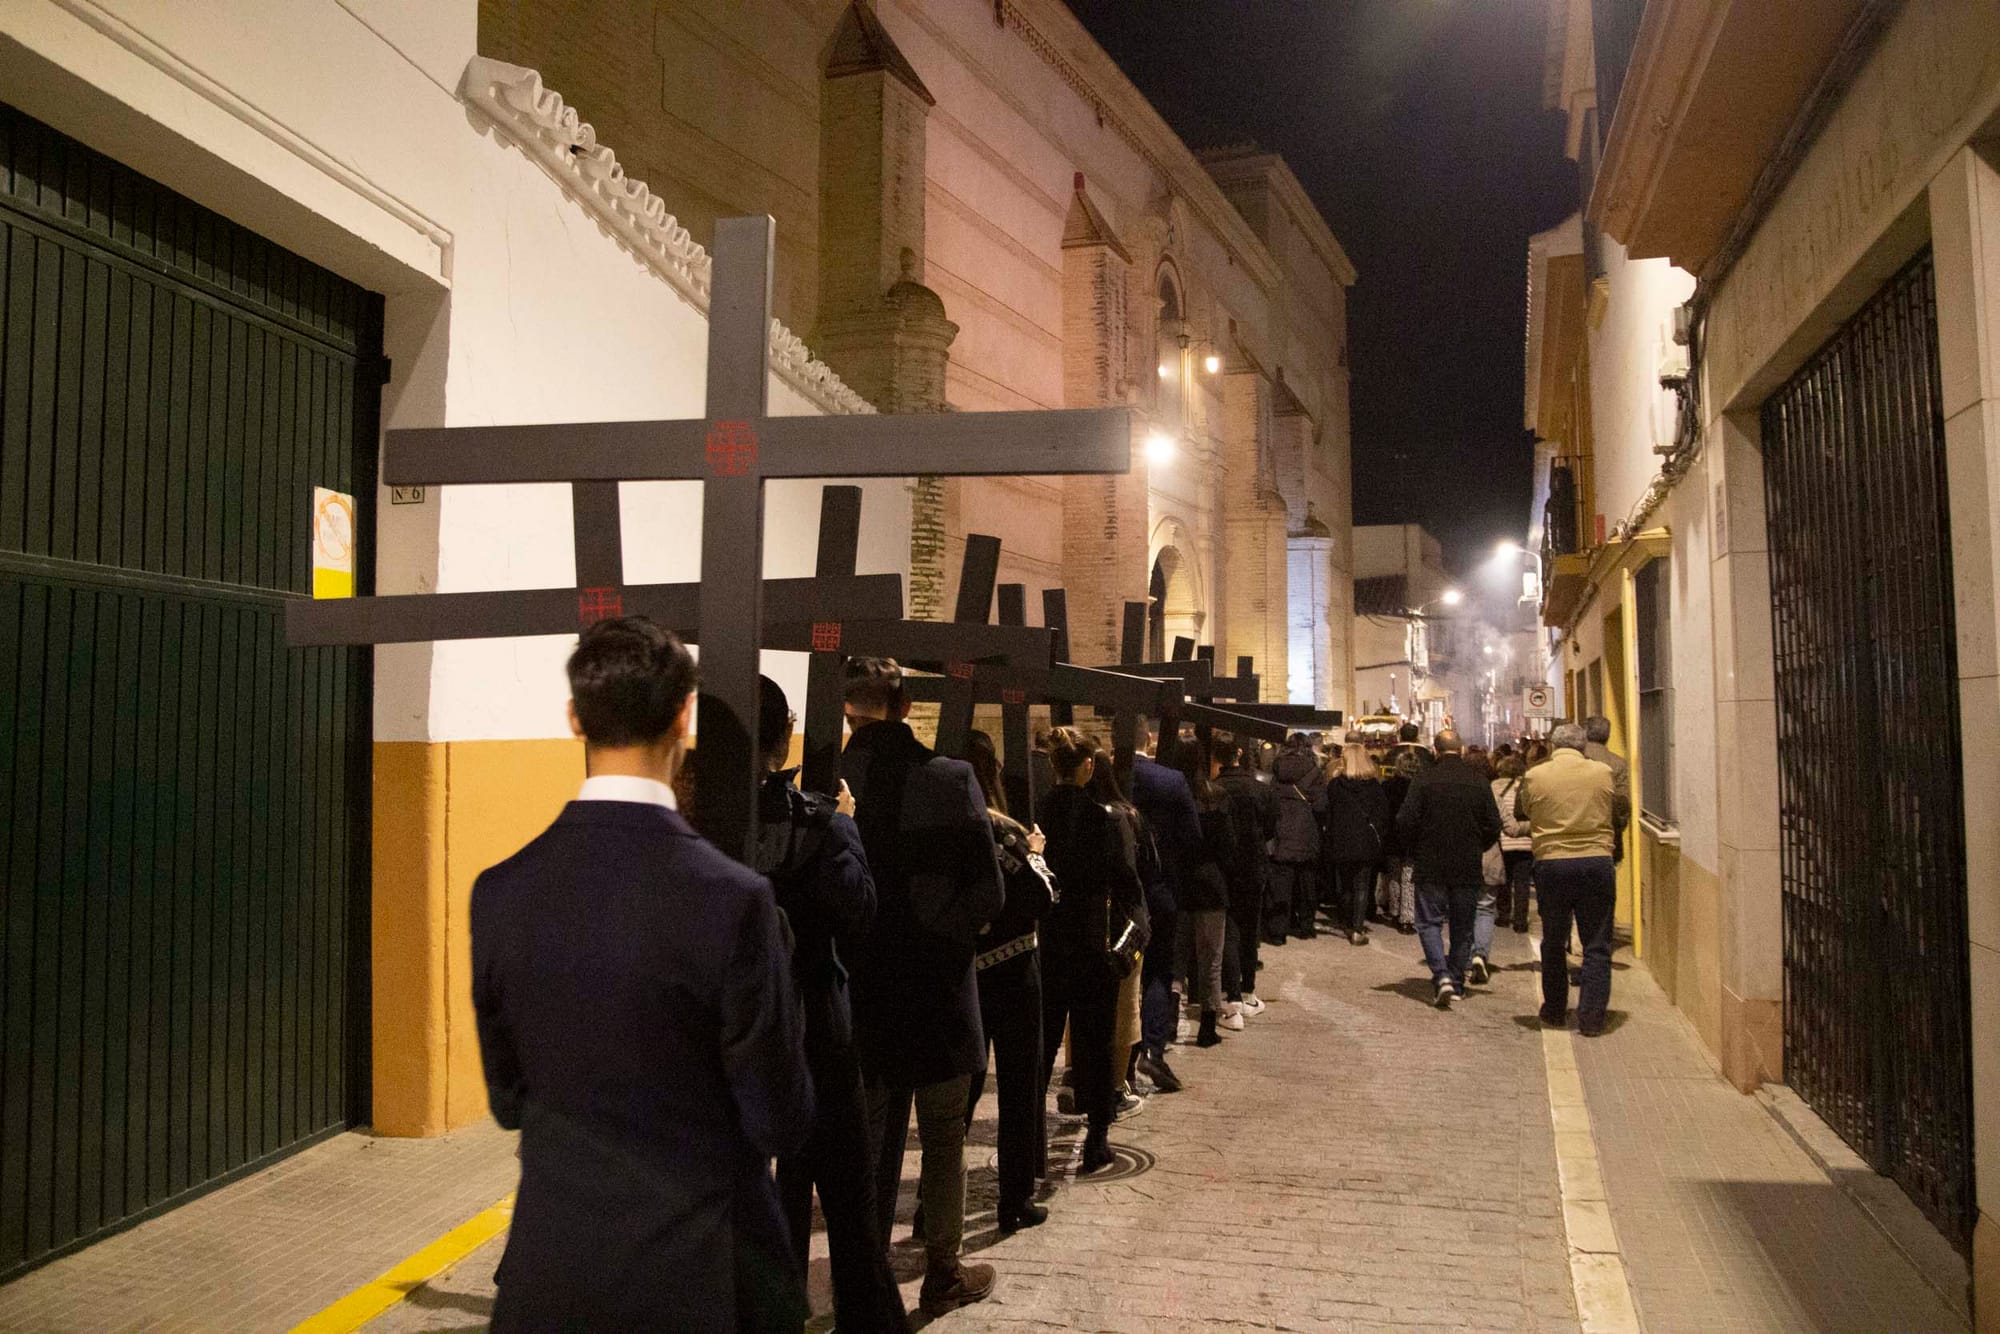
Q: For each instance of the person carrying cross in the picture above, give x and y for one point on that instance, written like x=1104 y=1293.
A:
x=916 y=998
x=647 y=1127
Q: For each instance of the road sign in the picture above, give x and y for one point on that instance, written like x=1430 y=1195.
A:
x=1538 y=702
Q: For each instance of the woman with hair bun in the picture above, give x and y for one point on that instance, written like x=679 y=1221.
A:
x=1080 y=983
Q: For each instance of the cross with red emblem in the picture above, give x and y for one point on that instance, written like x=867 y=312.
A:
x=733 y=449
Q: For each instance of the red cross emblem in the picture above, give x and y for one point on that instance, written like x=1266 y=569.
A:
x=598 y=604
x=732 y=448
x=959 y=671
x=826 y=637
x=1013 y=697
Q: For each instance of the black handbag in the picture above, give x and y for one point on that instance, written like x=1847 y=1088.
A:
x=1122 y=941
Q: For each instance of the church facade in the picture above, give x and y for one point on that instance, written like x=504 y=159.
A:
x=977 y=211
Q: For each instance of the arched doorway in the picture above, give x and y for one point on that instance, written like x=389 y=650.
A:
x=1174 y=604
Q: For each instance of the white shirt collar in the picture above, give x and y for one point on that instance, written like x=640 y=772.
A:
x=623 y=787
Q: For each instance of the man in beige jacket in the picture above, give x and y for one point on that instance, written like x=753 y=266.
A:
x=1569 y=804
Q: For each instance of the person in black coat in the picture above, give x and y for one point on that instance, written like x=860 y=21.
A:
x=1295 y=850
x=810 y=848
x=1204 y=909
x=1253 y=812
x=1448 y=821
x=1166 y=808
x=1098 y=883
x=639 y=1025
x=916 y=999
x=1357 y=826
x=1010 y=997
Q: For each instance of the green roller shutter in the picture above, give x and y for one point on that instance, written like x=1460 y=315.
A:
x=183 y=800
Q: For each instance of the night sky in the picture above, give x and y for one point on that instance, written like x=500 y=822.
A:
x=1417 y=127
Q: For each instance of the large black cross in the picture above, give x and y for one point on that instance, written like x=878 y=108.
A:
x=1195 y=667
x=734 y=448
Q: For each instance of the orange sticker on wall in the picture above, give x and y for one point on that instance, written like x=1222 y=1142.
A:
x=332 y=543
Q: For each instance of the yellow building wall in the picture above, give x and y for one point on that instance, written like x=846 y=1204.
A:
x=444 y=812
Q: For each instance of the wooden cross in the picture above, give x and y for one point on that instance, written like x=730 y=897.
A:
x=959 y=649
x=1195 y=667
x=733 y=448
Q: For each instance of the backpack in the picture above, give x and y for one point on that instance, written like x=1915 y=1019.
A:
x=786 y=849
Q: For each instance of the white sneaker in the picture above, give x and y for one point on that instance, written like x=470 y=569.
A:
x=1231 y=1020
x=1251 y=1005
x=1443 y=993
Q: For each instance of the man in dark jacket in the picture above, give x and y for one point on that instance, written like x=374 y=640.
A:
x=1447 y=822
x=1254 y=807
x=639 y=1026
x=916 y=1000
x=808 y=845
x=1167 y=807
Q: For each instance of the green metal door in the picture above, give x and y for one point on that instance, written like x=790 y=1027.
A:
x=183 y=801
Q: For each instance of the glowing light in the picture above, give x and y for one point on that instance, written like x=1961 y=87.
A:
x=1508 y=548
x=1211 y=363
x=1159 y=447
x=1452 y=597
x=1166 y=373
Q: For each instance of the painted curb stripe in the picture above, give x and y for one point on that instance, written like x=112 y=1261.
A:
x=1597 y=1274
x=371 y=1299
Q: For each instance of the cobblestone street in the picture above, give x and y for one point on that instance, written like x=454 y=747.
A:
x=1356 y=1160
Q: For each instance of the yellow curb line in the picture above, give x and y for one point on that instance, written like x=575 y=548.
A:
x=371 y=1299
x=1597 y=1274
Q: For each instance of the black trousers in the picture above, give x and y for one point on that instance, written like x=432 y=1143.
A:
x=1293 y=898
x=839 y=1159
x=1583 y=890
x=1010 y=1010
x=1081 y=992
x=1353 y=893
x=1246 y=914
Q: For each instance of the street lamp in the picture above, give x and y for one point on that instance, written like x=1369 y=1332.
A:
x=1511 y=548
x=1451 y=597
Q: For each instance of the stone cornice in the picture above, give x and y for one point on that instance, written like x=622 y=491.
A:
x=536 y=120
x=1054 y=34
x=1227 y=165
x=1674 y=42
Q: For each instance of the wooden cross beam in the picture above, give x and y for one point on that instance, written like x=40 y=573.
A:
x=734 y=448
x=959 y=649
x=1244 y=686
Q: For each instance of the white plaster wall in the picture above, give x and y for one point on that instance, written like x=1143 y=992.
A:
x=1630 y=412
x=337 y=132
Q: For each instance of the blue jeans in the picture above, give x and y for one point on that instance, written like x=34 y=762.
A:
x=1441 y=906
x=1482 y=924
x=1583 y=890
x=1158 y=1015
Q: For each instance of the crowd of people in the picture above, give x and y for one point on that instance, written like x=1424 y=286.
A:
x=662 y=1022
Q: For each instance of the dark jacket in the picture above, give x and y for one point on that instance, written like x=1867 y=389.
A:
x=937 y=882
x=1208 y=884
x=813 y=857
x=1357 y=819
x=1167 y=807
x=1095 y=872
x=1294 y=780
x=1395 y=787
x=1253 y=807
x=1029 y=894
x=1448 y=821
x=638 y=1023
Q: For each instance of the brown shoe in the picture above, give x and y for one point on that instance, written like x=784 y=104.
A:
x=948 y=1289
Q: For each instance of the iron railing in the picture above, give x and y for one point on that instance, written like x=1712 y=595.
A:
x=1877 y=1026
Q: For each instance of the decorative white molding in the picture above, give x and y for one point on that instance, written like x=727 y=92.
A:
x=536 y=119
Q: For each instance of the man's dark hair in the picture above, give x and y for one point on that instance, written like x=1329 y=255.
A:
x=629 y=680
x=1228 y=751
x=1408 y=732
x=1597 y=728
x=774 y=718
x=875 y=683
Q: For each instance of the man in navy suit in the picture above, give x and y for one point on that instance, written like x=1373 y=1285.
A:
x=639 y=1025
x=1166 y=805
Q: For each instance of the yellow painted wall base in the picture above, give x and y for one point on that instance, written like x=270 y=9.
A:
x=1986 y=1274
x=444 y=812
x=1753 y=1041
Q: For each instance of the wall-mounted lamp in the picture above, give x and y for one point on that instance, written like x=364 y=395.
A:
x=1160 y=448
x=1211 y=363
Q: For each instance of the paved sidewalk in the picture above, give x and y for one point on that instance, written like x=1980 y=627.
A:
x=1727 y=1225
x=268 y=1251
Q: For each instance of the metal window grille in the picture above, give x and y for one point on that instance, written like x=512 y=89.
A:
x=1877 y=1029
